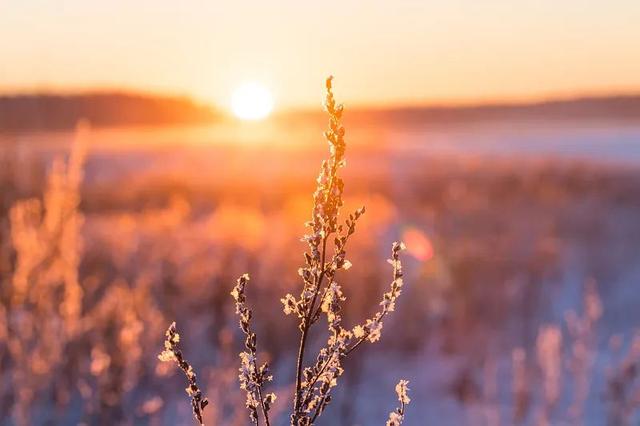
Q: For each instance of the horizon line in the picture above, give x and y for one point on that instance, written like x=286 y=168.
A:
x=515 y=101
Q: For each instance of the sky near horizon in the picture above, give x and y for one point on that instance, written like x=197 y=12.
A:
x=381 y=52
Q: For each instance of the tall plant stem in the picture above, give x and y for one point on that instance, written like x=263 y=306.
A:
x=305 y=330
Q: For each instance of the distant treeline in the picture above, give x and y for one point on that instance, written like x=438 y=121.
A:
x=52 y=112
x=588 y=108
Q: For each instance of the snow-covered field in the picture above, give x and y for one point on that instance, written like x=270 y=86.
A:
x=520 y=219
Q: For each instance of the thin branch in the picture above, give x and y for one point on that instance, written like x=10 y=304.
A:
x=172 y=352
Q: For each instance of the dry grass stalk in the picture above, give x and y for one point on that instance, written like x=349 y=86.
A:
x=172 y=352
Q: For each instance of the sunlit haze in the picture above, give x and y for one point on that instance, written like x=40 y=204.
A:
x=405 y=52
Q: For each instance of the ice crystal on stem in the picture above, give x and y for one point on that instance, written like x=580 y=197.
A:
x=252 y=378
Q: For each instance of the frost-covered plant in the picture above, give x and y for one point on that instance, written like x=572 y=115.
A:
x=321 y=295
x=396 y=417
x=252 y=378
x=172 y=352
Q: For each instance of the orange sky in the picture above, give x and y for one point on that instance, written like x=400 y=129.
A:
x=381 y=52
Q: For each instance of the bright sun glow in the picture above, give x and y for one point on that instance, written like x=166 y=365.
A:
x=251 y=101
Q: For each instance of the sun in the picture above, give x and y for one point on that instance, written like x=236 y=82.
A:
x=251 y=101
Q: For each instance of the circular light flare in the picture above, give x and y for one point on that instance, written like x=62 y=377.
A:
x=251 y=101
x=418 y=243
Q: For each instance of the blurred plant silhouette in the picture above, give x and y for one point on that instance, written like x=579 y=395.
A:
x=43 y=316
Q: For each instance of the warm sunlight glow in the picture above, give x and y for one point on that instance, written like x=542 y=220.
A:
x=251 y=101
